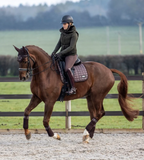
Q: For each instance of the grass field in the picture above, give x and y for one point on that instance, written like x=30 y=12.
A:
x=77 y=105
x=92 y=41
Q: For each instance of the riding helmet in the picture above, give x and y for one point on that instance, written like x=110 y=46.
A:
x=67 y=19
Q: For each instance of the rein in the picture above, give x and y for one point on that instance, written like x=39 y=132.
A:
x=29 y=68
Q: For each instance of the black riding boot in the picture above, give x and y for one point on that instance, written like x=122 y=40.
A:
x=71 y=80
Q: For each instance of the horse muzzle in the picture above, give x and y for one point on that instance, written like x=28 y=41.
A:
x=24 y=74
x=23 y=79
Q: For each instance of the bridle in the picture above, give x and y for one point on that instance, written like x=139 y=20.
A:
x=29 y=68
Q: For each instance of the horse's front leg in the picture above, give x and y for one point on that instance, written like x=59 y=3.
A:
x=47 y=115
x=33 y=103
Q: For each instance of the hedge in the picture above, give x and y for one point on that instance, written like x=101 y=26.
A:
x=128 y=64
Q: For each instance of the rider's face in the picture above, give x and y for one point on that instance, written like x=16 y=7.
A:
x=65 y=26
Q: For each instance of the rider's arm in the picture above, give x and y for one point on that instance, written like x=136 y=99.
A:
x=72 y=45
x=57 y=46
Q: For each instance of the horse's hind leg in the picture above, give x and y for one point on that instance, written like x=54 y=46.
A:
x=96 y=112
x=33 y=103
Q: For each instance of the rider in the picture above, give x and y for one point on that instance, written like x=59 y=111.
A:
x=68 y=52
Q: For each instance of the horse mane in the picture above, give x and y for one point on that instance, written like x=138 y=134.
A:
x=41 y=50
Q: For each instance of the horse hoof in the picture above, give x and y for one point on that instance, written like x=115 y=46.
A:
x=85 y=142
x=86 y=139
x=86 y=136
x=56 y=136
x=28 y=136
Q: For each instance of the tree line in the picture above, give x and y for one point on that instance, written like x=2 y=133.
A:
x=49 y=20
x=128 y=64
x=122 y=12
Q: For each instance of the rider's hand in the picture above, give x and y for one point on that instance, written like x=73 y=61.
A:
x=58 y=55
x=53 y=54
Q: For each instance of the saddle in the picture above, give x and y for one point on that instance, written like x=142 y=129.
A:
x=79 y=73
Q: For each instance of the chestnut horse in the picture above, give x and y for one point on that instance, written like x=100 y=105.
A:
x=46 y=86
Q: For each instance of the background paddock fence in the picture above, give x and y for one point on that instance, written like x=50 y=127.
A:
x=68 y=113
x=16 y=79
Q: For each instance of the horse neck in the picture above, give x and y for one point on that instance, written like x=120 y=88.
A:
x=42 y=61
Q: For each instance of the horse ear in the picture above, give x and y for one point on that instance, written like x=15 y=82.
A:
x=24 y=50
x=17 y=49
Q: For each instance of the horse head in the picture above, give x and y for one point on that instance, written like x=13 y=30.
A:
x=24 y=63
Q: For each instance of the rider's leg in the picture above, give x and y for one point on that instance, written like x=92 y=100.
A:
x=70 y=60
x=72 y=83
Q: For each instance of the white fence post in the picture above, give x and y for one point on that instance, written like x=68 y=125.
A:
x=68 y=118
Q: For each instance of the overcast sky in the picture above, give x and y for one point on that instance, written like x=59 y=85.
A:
x=31 y=2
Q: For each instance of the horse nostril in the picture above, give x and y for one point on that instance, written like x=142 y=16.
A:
x=23 y=78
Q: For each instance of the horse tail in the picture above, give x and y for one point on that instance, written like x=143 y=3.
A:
x=123 y=98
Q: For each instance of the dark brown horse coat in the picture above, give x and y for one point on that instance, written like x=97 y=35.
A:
x=46 y=86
